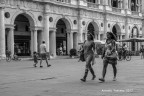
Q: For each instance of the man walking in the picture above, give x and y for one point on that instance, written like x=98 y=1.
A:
x=43 y=53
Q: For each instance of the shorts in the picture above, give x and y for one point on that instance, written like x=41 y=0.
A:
x=43 y=55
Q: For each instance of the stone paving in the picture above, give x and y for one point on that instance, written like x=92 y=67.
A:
x=20 y=78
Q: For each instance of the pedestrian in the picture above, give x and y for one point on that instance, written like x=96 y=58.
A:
x=124 y=50
x=142 y=51
x=112 y=58
x=35 y=57
x=64 y=50
x=43 y=53
x=89 y=51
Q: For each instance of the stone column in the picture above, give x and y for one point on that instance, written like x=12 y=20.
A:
x=75 y=40
x=53 y=43
x=129 y=5
x=85 y=35
x=35 y=40
x=11 y=40
x=80 y=28
x=2 y=33
x=98 y=1
x=46 y=31
x=99 y=36
x=32 y=40
x=109 y=2
x=105 y=26
x=126 y=29
x=68 y=42
x=71 y=40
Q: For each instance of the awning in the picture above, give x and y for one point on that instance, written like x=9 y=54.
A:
x=132 y=40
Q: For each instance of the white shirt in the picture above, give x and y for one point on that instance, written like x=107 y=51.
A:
x=43 y=48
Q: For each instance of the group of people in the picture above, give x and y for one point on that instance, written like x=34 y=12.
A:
x=61 y=50
x=109 y=56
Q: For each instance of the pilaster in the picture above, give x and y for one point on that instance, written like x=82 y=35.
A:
x=53 y=43
x=46 y=30
x=2 y=33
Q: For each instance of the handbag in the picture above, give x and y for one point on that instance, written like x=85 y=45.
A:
x=113 y=56
x=82 y=55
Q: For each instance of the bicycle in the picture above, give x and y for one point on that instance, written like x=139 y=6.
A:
x=126 y=56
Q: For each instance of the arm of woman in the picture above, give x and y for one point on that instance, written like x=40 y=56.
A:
x=95 y=52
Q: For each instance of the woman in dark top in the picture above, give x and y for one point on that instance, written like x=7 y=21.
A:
x=111 y=59
x=89 y=50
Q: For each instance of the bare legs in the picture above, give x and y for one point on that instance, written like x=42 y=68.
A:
x=105 y=69
x=88 y=68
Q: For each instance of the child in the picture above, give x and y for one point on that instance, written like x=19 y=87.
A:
x=35 y=56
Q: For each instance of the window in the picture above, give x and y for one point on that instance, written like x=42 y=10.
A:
x=117 y=3
x=92 y=1
x=135 y=5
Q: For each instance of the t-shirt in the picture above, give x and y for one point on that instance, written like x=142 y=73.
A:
x=43 y=48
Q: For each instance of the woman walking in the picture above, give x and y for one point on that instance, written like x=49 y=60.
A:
x=110 y=58
x=89 y=50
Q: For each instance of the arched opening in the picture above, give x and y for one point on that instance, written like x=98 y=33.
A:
x=61 y=37
x=134 y=34
x=117 y=31
x=91 y=28
x=94 y=29
x=114 y=30
x=22 y=36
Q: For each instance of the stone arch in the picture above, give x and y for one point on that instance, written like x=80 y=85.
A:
x=117 y=28
x=96 y=28
x=95 y=24
x=66 y=20
x=29 y=15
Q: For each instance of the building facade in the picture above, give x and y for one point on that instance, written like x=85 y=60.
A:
x=24 y=24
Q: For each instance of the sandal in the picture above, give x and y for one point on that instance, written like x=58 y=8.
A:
x=101 y=79
x=93 y=78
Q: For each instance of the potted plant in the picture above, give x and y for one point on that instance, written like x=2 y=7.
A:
x=73 y=53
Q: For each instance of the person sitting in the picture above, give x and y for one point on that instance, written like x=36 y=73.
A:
x=124 y=49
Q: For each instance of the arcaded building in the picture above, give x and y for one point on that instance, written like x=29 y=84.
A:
x=24 y=24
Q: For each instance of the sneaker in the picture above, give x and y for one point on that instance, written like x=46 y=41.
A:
x=41 y=66
x=93 y=78
x=101 y=79
x=114 y=79
x=83 y=80
x=48 y=65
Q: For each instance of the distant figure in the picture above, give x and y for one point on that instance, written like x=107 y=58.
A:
x=35 y=57
x=142 y=51
x=61 y=50
x=124 y=50
x=43 y=53
x=64 y=50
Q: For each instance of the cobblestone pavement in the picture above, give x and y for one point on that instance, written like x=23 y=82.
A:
x=63 y=79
